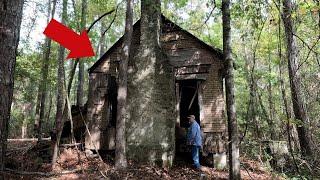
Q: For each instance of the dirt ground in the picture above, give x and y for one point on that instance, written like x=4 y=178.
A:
x=23 y=163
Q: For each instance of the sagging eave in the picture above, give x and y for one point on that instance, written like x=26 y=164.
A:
x=215 y=51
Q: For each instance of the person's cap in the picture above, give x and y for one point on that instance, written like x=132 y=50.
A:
x=191 y=117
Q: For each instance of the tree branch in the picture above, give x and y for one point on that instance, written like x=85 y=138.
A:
x=310 y=50
x=306 y=44
x=207 y=18
x=109 y=26
x=114 y=17
x=94 y=22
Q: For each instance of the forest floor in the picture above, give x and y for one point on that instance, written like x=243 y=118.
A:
x=23 y=162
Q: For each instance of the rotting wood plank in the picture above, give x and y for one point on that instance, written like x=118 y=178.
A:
x=192 y=69
x=178 y=61
x=191 y=76
x=29 y=139
x=71 y=145
x=194 y=96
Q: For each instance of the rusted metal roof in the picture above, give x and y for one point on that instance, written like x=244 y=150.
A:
x=216 y=51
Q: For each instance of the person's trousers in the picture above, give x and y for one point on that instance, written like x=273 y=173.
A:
x=195 y=155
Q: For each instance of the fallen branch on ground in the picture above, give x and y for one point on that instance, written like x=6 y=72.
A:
x=246 y=170
x=7 y=170
x=19 y=149
x=71 y=145
x=28 y=139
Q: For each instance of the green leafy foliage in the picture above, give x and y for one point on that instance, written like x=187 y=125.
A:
x=256 y=44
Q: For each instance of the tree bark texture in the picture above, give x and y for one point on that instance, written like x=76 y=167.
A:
x=233 y=142
x=44 y=74
x=120 y=158
x=73 y=67
x=102 y=42
x=60 y=84
x=36 y=127
x=290 y=129
x=271 y=124
x=294 y=76
x=37 y=112
x=84 y=8
x=10 y=21
x=47 y=117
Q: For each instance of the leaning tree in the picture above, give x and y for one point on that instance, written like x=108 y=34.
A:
x=10 y=21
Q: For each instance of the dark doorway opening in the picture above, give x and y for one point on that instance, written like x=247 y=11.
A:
x=189 y=103
x=112 y=97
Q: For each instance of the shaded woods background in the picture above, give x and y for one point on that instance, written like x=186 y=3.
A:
x=276 y=70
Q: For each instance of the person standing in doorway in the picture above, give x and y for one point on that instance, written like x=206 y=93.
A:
x=194 y=139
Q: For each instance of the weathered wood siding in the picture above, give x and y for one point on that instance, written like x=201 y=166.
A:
x=97 y=115
x=191 y=59
x=97 y=111
x=110 y=63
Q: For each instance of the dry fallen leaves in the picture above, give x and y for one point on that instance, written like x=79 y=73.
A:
x=91 y=168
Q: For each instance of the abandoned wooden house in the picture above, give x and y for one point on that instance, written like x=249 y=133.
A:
x=196 y=72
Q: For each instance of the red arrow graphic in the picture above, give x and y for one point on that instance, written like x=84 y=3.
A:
x=79 y=45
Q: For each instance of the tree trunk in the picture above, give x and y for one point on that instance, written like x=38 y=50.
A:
x=251 y=114
x=294 y=76
x=37 y=113
x=50 y=106
x=270 y=119
x=60 y=84
x=81 y=62
x=282 y=85
x=102 y=43
x=26 y=112
x=233 y=150
x=288 y=126
x=120 y=158
x=10 y=21
x=36 y=127
x=290 y=129
x=253 y=106
x=24 y=129
x=80 y=83
x=44 y=72
x=71 y=75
